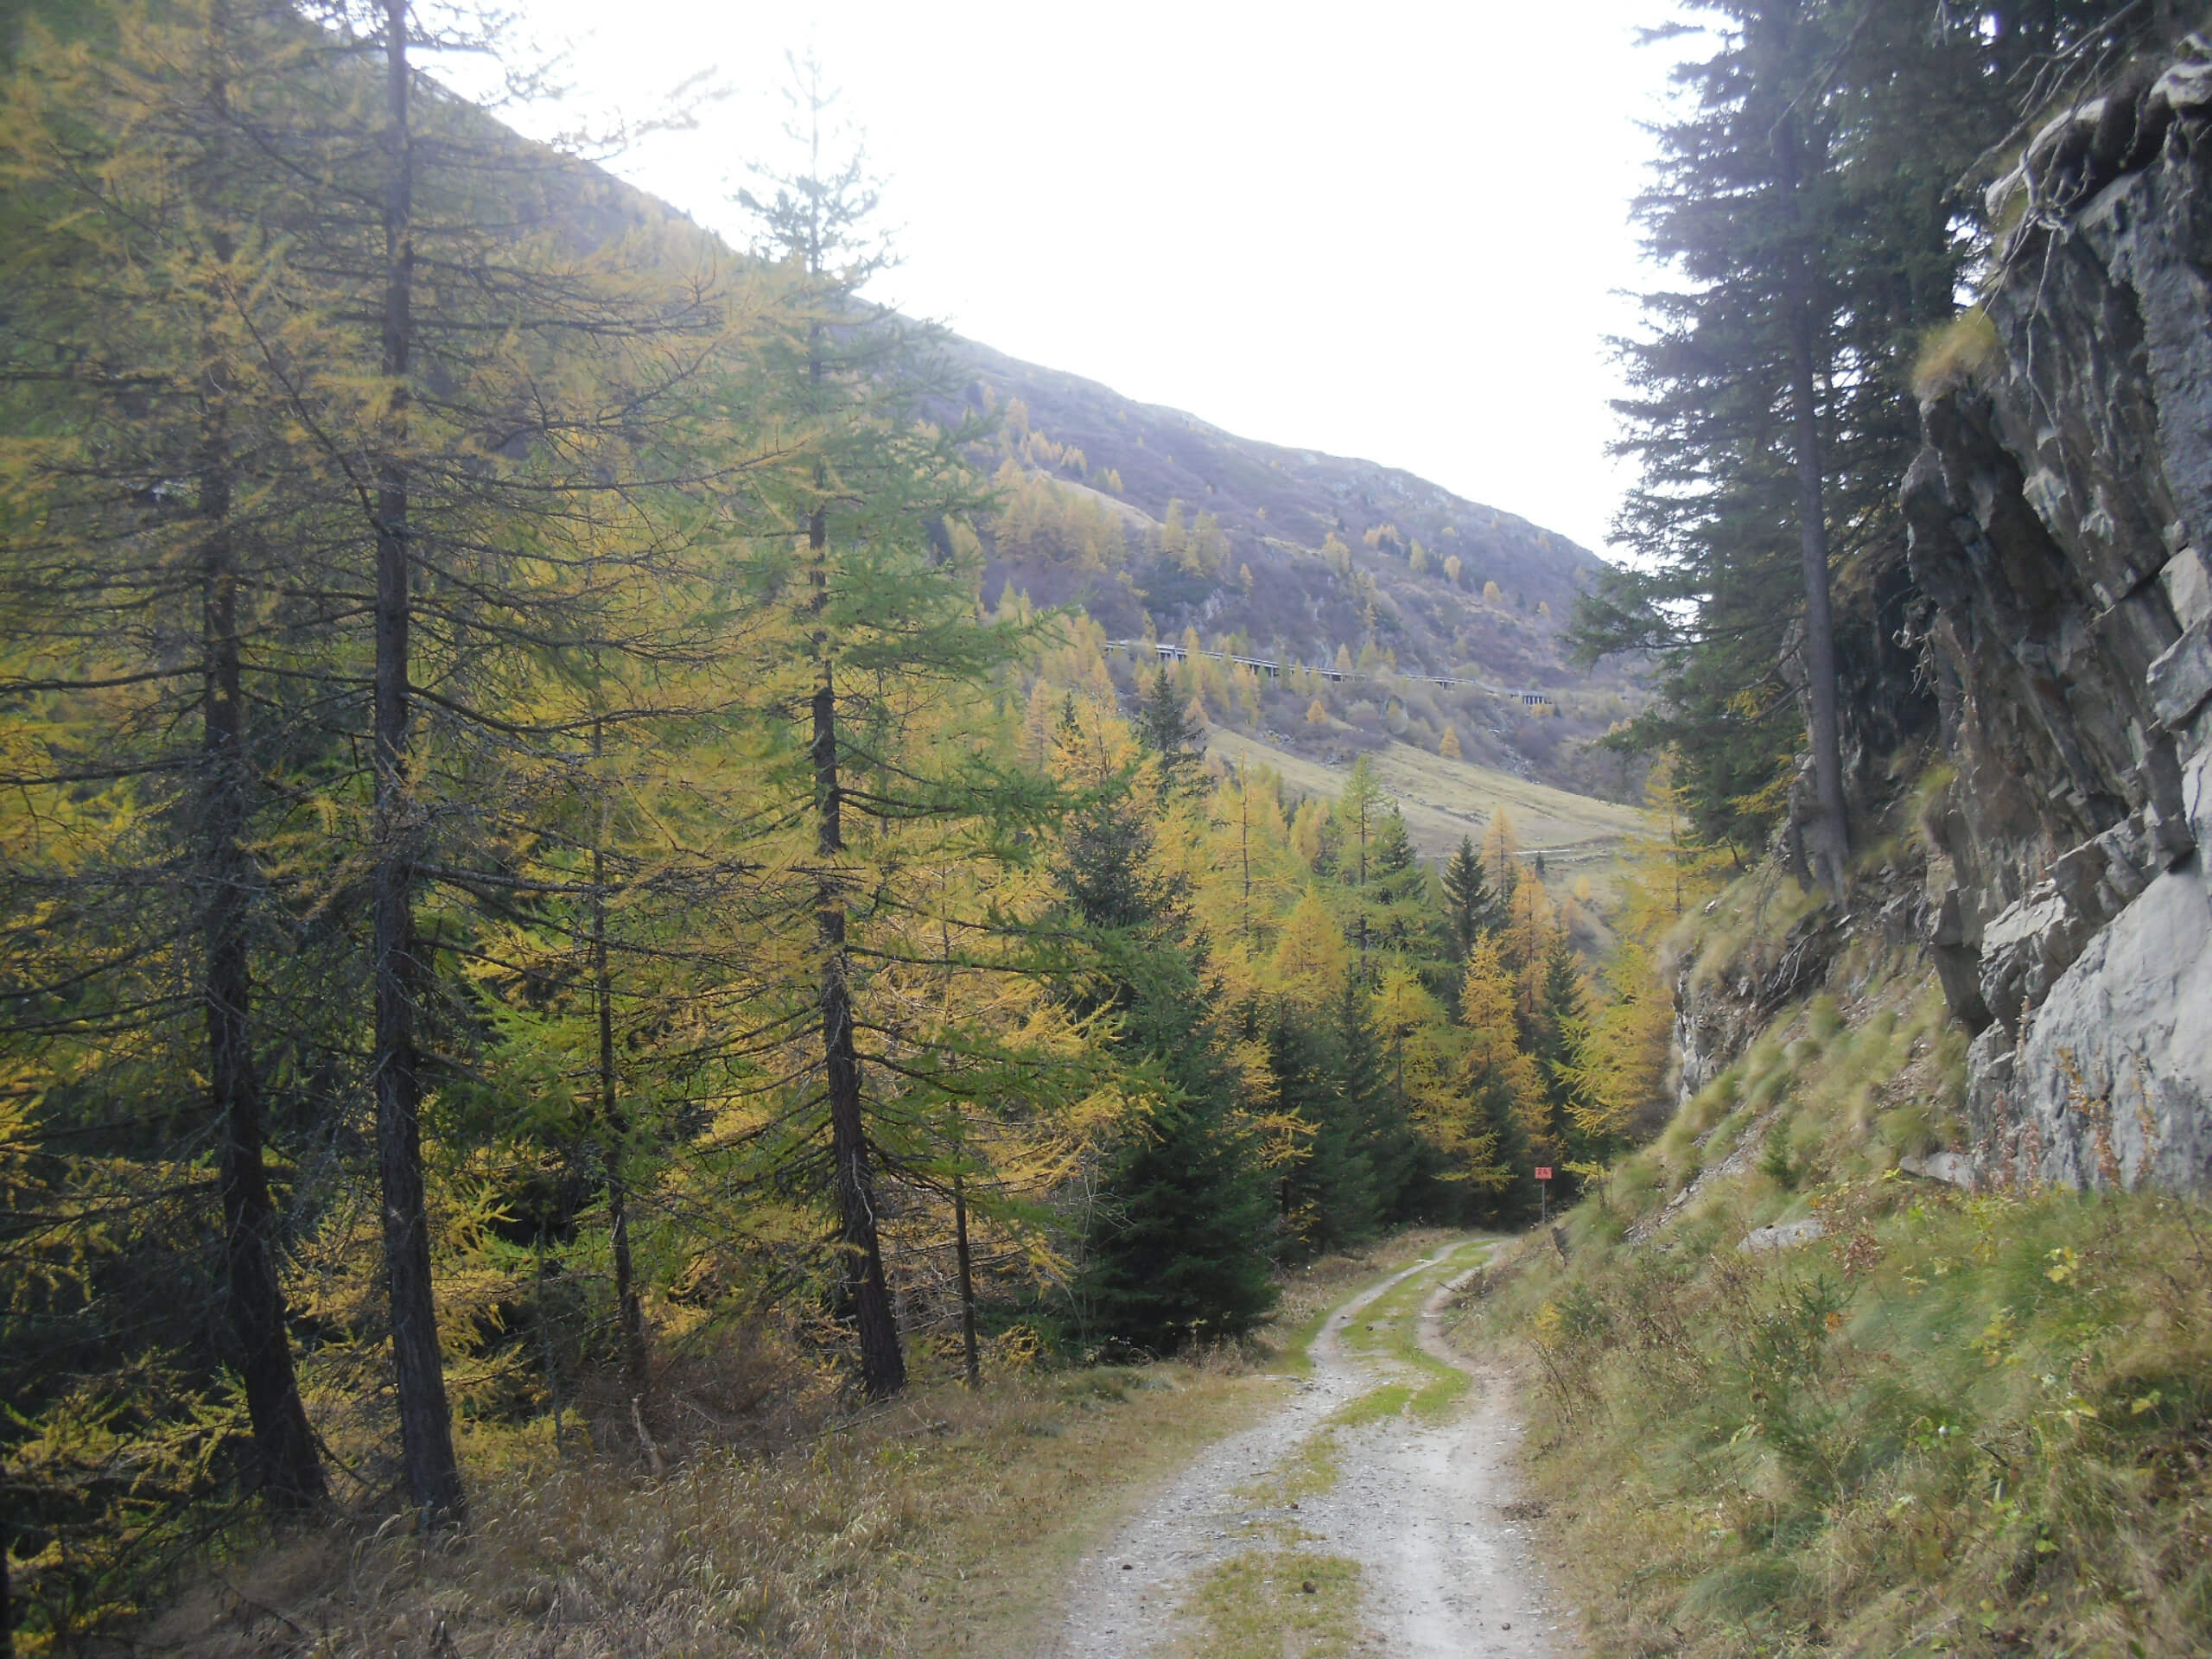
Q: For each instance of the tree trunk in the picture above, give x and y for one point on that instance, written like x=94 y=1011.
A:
x=883 y=1368
x=287 y=1469
x=1244 y=843
x=289 y=1472
x=431 y=1475
x=615 y=1130
x=1829 y=837
x=968 y=1356
x=964 y=1263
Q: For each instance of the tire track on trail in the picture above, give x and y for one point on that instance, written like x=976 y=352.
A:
x=1424 y=1505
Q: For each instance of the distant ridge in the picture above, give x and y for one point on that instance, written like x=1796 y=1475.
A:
x=1269 y=492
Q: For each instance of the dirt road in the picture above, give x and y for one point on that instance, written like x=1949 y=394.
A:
x=1367 y=1466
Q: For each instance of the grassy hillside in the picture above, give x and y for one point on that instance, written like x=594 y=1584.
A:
x=1444 y=800
x=1789 y=1396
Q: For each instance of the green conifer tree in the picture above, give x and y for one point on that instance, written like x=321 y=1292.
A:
x=1469 y=904
x=1329 y=1195
x=1176 y=1250
x=1398 y=889
x=1164 y=727
x=1377 y=1128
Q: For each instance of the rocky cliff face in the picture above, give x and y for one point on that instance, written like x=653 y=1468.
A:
x=2061 y=518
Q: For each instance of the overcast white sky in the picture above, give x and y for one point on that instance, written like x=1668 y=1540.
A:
x=1389 y=229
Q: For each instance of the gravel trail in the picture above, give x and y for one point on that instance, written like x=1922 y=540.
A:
x=1427 y=1508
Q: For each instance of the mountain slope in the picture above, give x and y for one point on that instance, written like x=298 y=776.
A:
x=1263 y=493
x=1159 y=524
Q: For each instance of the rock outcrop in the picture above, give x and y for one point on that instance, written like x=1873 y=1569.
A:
x=1715 y=1023
x=2061 y=517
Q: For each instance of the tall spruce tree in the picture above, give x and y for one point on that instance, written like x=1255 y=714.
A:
x=1468 y=897
x=1812 y=191
x=1177 y=1248
x=1398 y=889
x=1376 y=1106
x=1330 y=1194
x=1164 y=728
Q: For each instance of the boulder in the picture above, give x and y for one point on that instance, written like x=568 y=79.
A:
x=1782 y=1235
x=2112 y=1083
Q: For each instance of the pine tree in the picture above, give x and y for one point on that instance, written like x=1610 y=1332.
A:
x=1175 y=1249
x=1375 y=1109
x=1164 y=728
x=1329 y=1192
x=1468 y=895
x=1808 y=194
x=1398 y=891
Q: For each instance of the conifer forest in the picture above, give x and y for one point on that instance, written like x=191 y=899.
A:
x=688 y=967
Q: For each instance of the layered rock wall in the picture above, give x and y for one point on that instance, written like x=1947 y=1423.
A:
x=2061 y=517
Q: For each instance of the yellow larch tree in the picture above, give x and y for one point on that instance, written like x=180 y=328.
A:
x=1311 y=956
x=1496 y=1076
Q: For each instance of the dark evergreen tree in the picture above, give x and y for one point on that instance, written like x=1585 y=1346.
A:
x=1177 y=1253
x=1471 y=906
x=1373 y=1105
x=1362 y=1162
x=1331 y=1197
x=1164 y=727
x=1397 y=891
x=1810 y=195
x=1177 y=1248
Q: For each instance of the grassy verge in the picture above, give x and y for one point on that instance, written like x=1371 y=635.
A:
x=947 y=1523
x=1948 y=1424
